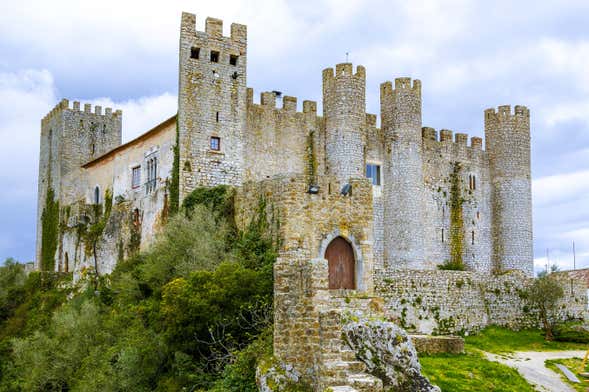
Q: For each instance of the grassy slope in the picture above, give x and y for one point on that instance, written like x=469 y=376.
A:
x=501 y=340
x=472 y=372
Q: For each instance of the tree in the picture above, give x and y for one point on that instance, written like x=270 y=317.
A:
x=543 y=295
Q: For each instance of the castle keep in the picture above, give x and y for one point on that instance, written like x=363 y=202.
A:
x=368 y=214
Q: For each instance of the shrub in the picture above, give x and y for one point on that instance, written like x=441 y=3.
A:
x=575 y=331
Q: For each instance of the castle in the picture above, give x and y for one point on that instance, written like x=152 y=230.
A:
x=367 y=214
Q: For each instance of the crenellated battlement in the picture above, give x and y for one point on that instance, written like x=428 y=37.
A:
x=504 y=112
x=343 y=71
x=446 y=136
x=213 y=29
x=401 y=85
x=289 y=103
x=64 y=104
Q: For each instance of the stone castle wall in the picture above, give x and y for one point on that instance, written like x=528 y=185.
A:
x=449 y=302
x=211 y=103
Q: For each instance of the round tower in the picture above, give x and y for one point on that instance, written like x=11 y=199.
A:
x=403 y=186
x=507 y=137
x=344 y=110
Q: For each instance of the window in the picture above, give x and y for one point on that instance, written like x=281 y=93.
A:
x=92 y=148
x=214 y=56
x=217 y=116
x=472 y=182
x=194 y=53
x=472 y=237
x=233 y=59
x=97 y=195
x=151 y=175
x=215 y=143
x=373 y=172
x=136 y=177
x=442 y=235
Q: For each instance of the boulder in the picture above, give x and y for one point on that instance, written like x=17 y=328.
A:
x=388 y=353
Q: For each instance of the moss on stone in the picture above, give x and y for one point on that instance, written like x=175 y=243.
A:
x=175 y=182
x=49 y=231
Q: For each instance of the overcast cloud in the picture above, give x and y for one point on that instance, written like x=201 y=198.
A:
x=470 y=55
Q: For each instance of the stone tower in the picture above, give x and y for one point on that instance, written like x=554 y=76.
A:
x=211 y=104
x=403 y=186
x=71 y=137
x=344 y=110
x=507 y=137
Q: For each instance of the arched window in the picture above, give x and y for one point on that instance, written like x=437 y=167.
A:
x=341 y=264
x=97 y=195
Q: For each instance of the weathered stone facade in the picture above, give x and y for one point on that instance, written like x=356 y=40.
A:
x=430 y=200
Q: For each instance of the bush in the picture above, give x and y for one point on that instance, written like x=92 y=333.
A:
x=576 y=332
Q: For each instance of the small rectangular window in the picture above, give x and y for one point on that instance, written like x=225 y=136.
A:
x=194 y=53
x=136 y=177
x=217 y=116
x=373 y=172
x=442 y=235
x=214 y=56
x=233 y=59
x=472 y=238
x=215 y=143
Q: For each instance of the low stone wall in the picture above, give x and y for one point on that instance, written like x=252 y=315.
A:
x=448 y=302
x=426 y=344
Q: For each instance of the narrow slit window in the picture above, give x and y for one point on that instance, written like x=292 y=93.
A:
x=214 y=56
x=474 y=183
x=194 y=53
x=472 y=237
x=97 y=195
x=442 y=235
x=217 y=116
x=233 y=59
x=215 y=143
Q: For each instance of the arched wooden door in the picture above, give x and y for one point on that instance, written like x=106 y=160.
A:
x=342 y=264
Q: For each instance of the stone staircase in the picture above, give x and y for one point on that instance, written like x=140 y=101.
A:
x=341 y=371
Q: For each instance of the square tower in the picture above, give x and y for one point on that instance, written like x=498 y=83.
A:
x=212 y=102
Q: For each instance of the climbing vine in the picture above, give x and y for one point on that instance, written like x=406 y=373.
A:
x=94 y=232
x=175 y=182
x=456 y=221
x=311 y=159
x=49 y=231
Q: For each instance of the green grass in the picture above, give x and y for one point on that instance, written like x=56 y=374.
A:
x=502 y=340
x=471 y=372
x=574 y=364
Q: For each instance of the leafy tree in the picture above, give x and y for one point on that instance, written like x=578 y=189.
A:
x=543 y=295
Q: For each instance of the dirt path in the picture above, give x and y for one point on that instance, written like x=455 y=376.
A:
x=530 y=364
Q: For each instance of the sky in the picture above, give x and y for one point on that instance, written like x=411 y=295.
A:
x=470 y=55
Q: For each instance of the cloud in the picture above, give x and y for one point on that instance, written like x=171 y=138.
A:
x=469 y=56
x=28 y=95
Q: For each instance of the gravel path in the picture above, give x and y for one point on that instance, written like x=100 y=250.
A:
x=530 y=364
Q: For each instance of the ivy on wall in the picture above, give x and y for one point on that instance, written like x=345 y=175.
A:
x=456 y=201
x=49 y=231
x=175 y=182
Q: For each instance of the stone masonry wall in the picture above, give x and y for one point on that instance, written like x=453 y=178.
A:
x=443 y=302
x=440 y=159
x=279 y=140
x=344 y=110
x=508 y=145
x=70 y=137
x=403 y=174
x=211 y=103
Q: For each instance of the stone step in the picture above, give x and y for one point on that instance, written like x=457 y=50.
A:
x=350 y=366
x=364 y=382
x=343 y=388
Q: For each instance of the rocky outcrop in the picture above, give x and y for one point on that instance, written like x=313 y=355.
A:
x=388 y=354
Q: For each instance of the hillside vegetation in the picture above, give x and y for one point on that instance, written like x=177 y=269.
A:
x=193 y=313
